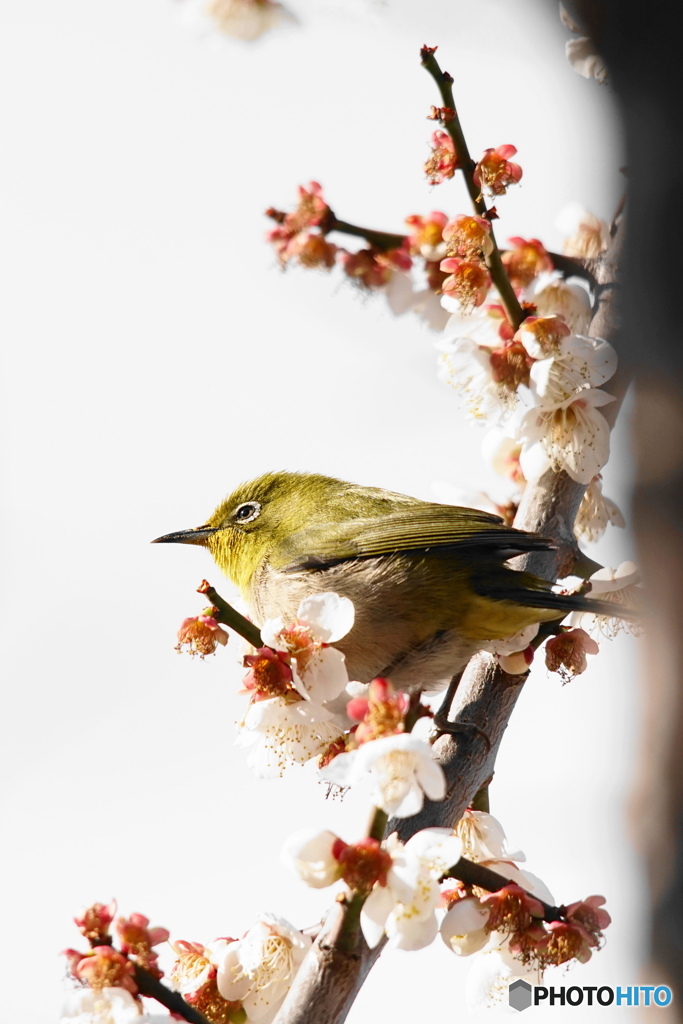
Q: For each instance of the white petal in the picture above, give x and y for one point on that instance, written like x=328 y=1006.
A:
x=405 y=806
x=488 y=982
x=232 y=983
x=342 y=770
x=534 y=461
x=585 y=60
x=329 y=616
x=463 y=927
x=399 y=293
x=410 y=933
x=269 y=633
x=373 y=916
x=431 y=777
x=518 y=642
x=324 y=675
x=309 y=853
x=109 y=1005
x=440 y=846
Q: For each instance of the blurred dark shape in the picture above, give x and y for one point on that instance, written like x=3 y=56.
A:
x=641 y=48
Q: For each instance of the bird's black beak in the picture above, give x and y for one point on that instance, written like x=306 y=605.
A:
x=196 y=536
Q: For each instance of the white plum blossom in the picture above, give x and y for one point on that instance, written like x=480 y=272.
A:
x=195 y=966
x=513 y=644
x=588 y=235
x=573 y=437
x=463 y=928
x=526 y=879
x=259 y=968
x=283 y=732
x=596 y=513
x=493 y=969
x=246 y=20
x=578 y=363
x=502 y=453
x=405 y=908
x=466 y=346
x=553 y=296
x=101 y=1006
x=483 y=838
x=402 y=769
x=585 y=59
x=309 y=853
x=621 y=587
x=319 y=671
x=403 y=296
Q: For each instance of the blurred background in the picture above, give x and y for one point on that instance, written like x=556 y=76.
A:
x=156 y=356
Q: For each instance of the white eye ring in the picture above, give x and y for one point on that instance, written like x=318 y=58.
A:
x=252 y=509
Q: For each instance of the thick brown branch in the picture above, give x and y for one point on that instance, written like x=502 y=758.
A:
x=329 y=978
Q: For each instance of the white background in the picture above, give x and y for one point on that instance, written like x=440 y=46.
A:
x=155 y=357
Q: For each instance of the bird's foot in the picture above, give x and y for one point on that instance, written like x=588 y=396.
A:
x=443 y=726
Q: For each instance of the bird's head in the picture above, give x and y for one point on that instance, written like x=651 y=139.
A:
x=254 y=520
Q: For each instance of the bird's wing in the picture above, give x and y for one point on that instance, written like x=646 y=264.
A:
x=412 y=529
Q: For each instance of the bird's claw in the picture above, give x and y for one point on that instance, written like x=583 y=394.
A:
x=443 y=726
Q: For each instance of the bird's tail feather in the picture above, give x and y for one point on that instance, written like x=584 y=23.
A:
x=532 y=592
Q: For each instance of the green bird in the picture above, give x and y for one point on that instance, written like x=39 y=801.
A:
x=428 y=582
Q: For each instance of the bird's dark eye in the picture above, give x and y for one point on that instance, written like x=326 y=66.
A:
x=246 y=512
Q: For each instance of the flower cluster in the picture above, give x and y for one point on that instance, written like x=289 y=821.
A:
x=106 y=975
x=296 y=683
x=300 y=235
x=302 y=706
x=399 y=763
x=407 y=887
x=509 y=928
x=301 y=238
x=400 y=881
x=237 y=981
x=230 y=981
x=549 y=377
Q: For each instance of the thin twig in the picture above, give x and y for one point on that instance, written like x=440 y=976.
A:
x=229 y=616
x=466 y=164
x=383 y=240
x=151 y=987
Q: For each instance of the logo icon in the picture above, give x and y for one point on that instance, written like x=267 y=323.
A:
x=519 y=995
